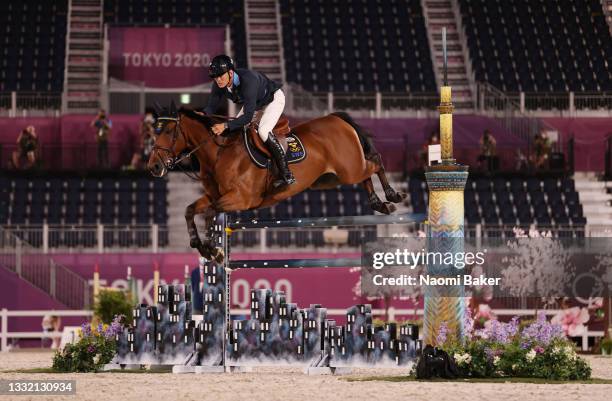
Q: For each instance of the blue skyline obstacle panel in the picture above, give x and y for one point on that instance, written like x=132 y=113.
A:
x=209 y=333
x=278 y=333
x=166 y=334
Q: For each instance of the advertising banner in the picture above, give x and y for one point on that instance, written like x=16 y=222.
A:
x=164 y=57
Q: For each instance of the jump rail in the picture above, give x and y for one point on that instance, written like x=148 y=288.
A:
x=294 y=263
x=341 y=221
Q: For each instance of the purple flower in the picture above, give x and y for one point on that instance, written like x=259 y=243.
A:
x=442 y=334
x=538 y=349
x=86 y=330
x=541 y=331
x=499 y=332
x=91 y=348
x=114 y=328
x=468 y=324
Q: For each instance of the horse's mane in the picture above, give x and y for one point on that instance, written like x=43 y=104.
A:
x=207 y=121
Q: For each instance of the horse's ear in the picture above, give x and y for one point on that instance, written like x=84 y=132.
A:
x=157 y=106
x=172 y=109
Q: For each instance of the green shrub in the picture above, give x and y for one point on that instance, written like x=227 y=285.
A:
x=111 y=303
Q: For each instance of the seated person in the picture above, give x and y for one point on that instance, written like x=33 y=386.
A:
x=433 y=139
x=541 y=150
x=27 y=148
x=487 y=151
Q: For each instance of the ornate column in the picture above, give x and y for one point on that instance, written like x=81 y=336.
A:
x=446 y=182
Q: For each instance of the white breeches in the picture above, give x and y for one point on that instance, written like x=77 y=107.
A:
x=267 y=117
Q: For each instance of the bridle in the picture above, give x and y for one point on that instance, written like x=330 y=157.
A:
x=173 y=159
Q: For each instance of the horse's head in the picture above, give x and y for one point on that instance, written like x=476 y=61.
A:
x=169 y=142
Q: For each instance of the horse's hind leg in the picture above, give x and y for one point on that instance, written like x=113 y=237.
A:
x=375 y=202
x=391 y=194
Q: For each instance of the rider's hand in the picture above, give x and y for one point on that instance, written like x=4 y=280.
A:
x=218 y=129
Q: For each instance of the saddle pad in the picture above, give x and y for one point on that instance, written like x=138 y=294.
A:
x=296 y=152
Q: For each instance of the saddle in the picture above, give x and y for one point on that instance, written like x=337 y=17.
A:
x=281 y=130
x=258 y=151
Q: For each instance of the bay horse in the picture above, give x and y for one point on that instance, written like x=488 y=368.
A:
x=338 y=152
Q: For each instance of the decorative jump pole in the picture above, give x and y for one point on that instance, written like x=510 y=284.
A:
x=446 y=183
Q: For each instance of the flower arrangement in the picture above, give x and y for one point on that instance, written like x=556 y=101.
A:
x=95 y=348
x=539 y=349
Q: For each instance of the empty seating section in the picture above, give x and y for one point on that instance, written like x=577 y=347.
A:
x=361 y=46
x=539 y=46
x=515 y=202
x=32 y=45
x=73 y=207
x=344 y=201
x=183 y=13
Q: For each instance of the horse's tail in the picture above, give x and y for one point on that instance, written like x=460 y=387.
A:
x=365 y=138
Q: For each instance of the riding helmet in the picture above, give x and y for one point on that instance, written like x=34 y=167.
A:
x=220 y=65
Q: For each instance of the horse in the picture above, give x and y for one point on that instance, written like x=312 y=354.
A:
x=338 y=152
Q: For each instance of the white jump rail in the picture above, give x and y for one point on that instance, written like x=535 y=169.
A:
x=5 y=314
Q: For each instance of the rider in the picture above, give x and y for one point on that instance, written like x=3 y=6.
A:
x=262 y=100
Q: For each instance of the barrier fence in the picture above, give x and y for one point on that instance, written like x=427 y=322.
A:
x=59 y=282
x=275 y=236
x=30 y=104
x=92 y=238
x=132 y=98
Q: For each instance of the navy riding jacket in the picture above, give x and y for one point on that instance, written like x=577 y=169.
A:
x=254 y=91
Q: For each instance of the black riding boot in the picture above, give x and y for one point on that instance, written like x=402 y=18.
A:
x=279 y=158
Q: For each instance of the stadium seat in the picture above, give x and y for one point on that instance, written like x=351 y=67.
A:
x=540 y=47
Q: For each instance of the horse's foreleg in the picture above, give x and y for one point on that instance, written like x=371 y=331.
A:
x=391 y=194
x=375 y=202
x=209 y=243
x=200 y=206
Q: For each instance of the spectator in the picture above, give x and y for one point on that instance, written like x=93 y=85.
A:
x=147 y=140
x=487 y=158
x=433 y=139
x=197 y=285
x=27 y=147
x=541 y=150
x=103 y=126
x=51 y=324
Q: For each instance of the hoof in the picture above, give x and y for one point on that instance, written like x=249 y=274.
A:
x=204 y=252
x=395 y=197
x=195 y=243
x=384 y=207
x=388 y=208
x=218 y=255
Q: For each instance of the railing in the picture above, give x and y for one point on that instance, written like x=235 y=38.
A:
x=509 y=111
x=43 y=272
x=5 y=335
x=72 y=157
x=300 y=102
x=132 y=97
x=30 y=104
x=91 y=238
x=544 y=104
x=373 y=104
